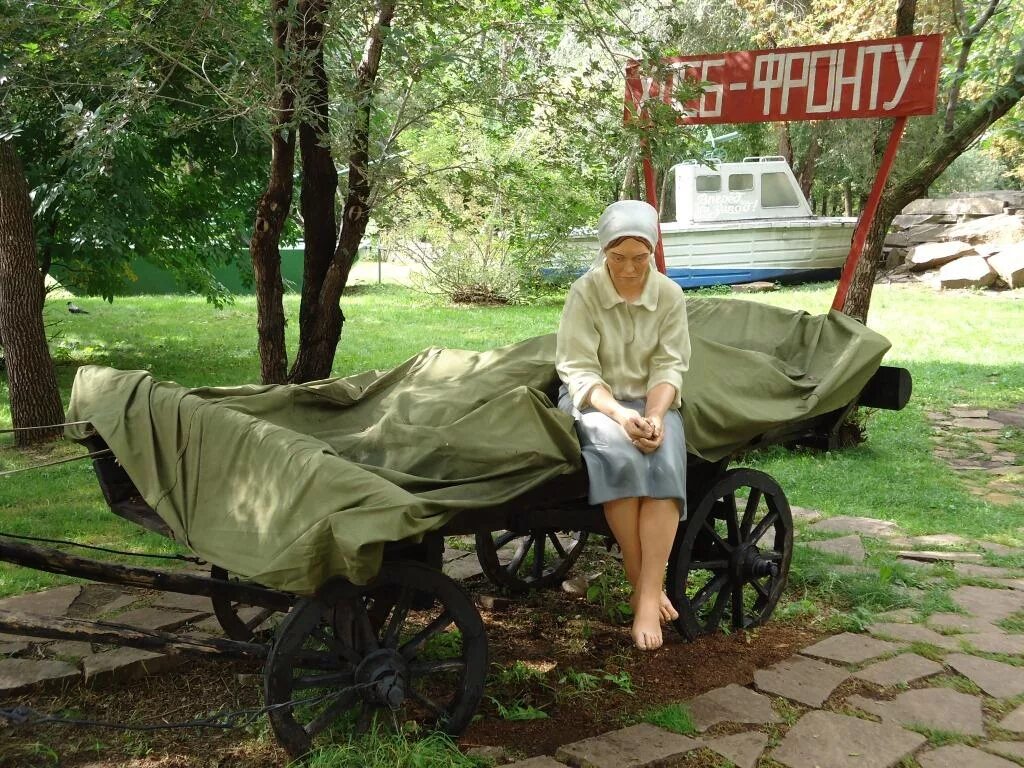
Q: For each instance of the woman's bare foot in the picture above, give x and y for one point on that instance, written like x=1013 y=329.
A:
x=647 y=626
x=666 y=610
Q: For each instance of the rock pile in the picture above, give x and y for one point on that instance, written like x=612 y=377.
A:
x=966 y=241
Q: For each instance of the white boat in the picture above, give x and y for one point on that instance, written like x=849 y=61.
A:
x=741 y=222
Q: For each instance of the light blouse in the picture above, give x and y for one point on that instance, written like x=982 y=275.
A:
x=628 y=347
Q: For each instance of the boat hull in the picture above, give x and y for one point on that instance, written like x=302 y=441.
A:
x=796 y=250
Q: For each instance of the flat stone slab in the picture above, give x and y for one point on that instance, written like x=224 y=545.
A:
x=993 y=677
x=18 y=675
x=822 y=739
x=155 y=618
x=1017 y=584
x=914 y=633
x=50 y=602
x=940 y=708
x=977 y=424
x=982 y=571
x=462 y=567
x=995 y=642
x=69 y=649
x=803 y=514
x=960 y=622
x=1014 y=721
x=197 y=603
x=9 y=649
x=991 y=604
x=537 y=762
x=849 y=547
x=743 y=750
x=865 y=526
x=118 y=603
x=849 y=648
x=807 y=681
x=123 y=664
x=1008 y=748
x=899 y=669
x=959 y=756
x=633 y=747
x=731 y=704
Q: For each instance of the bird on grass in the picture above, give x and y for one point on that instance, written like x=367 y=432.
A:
x=74 y=309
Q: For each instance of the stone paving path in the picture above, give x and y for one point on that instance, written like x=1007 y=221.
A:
x=943 y=689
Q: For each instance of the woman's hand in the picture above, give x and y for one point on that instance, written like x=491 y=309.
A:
x=653 y=442
x=635 y=425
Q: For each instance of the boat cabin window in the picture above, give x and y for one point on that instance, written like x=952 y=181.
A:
x=741 y=182
x=777 y=191
x=709 y=183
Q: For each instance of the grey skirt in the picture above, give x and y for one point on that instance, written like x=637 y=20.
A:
x=616 y=469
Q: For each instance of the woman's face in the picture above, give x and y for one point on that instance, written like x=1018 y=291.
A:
x=628 y=261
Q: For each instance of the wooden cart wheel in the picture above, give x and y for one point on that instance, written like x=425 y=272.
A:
x=238 y=620
x=535 y=560
x=333 y=665
x=731 y=557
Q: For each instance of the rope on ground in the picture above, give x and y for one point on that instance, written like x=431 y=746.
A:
x=24 y=716
x=97 y=454
x=186 y=558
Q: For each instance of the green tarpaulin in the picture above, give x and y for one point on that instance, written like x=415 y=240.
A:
x=290 y=485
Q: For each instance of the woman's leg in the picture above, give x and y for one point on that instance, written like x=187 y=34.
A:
x=657 y=521
x=623 y=518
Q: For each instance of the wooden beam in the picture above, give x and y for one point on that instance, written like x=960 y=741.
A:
x=55 y=561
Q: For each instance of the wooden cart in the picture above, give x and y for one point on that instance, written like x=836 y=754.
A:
x=412 y=640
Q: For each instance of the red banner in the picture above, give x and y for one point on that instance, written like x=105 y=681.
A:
x=870 y=78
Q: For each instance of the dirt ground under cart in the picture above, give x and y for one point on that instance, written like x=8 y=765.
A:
x=557 y=661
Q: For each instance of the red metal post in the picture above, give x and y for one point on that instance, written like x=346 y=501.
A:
x=867 y=216
x=652 y=198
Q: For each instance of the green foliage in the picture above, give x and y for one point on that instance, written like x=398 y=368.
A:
x=672 y=717
x=127 y=157
x=383 y=749
x=608 y=592
x=581 y=683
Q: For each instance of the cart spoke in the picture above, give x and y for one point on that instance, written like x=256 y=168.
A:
x=520 y=555
x=737 y=604
x=762 y=527
x=760 y=589
x=713 y=586
x=367 y=634
x=557 y=544
x=715 y=617
x=748 y=513
x=718 y=539
x=438 y=625
x=441 y=665
x=323 y=681
x=504 y=539
x=398 y=615
x=538 y=556
x=732 y=523
x=330 y=714
x=336 y=645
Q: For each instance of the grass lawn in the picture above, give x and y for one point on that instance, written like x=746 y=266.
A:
x=962 y=348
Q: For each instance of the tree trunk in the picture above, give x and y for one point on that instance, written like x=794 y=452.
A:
x=315 y=359
x=897 y=196
x=785 y=143
x=319 y=179
x=272 y=212
x=809 y=164
x=32 y=382
x=847 y=199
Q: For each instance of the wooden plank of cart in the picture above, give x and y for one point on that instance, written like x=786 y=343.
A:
x=412 y=640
